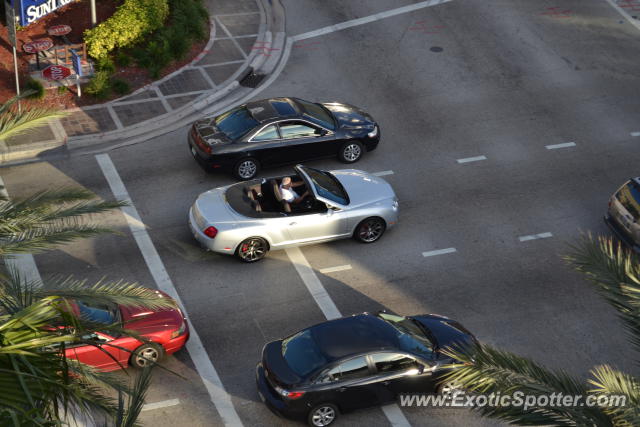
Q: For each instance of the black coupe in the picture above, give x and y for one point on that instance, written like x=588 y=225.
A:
x=355 y=362
x=279 y=131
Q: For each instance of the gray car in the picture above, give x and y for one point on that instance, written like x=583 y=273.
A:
x=250 y=218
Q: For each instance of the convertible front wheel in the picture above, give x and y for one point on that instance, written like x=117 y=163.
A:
x=252 y=249
x=370 y=230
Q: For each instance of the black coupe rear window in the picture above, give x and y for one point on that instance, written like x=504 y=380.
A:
x=629 y=196
x=318 y=114
x=236 y=123
x=302 y=353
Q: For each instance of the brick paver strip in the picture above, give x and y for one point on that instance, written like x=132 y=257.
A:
x=85 y=122
x=147 y=94
x=235 y=7
x=135 y=113
x=179 y=101
x=39 y=134
x=187 y=81
x=246 y=43
x=240 y=25
x=221 y=73
x=222 y=51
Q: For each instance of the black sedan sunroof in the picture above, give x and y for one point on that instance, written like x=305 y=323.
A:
x=284 y=108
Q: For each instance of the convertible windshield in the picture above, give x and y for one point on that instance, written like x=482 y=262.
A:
x=235 y=123
x=327 y=186
x=318 y=114
x=411 y=337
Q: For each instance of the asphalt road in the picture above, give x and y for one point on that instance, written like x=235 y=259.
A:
x=499 y=79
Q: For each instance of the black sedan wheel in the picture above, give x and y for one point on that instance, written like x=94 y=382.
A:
x=370 y=230
x=246 y=168
x=350 y=152
x=323 y=415
x=145 y=355
x=252 y=249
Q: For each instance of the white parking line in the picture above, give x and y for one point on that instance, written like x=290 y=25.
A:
x=162 y=404
x=535 y=236
x=635 y=133
x=563 y=145
x=392 y=412
x=382 y=173
x=471 y=159
x=334 y=269
x=367 y=19
x=198 y=354
x=25 y=264
x=625 y=14
x=439 y=252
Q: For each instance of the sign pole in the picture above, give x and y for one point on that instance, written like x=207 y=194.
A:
x=10 y=17
x=93 y=13
x=79 y=89
x=15 y=66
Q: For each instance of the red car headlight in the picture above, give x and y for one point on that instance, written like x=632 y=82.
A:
x=179 y=331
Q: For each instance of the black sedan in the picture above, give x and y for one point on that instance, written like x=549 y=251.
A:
x=355 y=362
x=278 y=131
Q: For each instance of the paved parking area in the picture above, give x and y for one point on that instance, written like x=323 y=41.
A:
x=503 y=144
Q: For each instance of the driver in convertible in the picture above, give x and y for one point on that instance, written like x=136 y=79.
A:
x=289 y=194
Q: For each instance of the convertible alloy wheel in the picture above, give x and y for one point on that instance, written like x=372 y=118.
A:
x=246 y=169
x=145 y=355
x=351 y=152
x=253 y=249
x=323 y=415
x=370 y=230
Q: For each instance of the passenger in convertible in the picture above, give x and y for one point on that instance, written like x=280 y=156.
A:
x=289 y=194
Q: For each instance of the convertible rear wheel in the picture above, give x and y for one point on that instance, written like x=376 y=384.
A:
x=246 y=168
x=370 y=230
x=252 y=249
x=350 y=152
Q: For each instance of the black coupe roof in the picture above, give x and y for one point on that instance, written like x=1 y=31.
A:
x=352 y=335
x=273 y=108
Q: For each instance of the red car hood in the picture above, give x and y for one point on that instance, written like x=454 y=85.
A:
x=146 y=321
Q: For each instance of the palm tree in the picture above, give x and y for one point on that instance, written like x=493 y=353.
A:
x=14 y=122
x=615 y=272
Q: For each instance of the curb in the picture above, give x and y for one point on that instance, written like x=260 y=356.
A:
x=271 y=31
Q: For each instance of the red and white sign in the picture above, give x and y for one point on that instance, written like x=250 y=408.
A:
x=37 y=45
x=59 y=30
x=56 y=72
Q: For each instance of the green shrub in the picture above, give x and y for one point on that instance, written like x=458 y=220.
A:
x=120 y=86
x=122 y=59
x=35 y=88
x=62 y=89
x=99 y=85
x=179 y=43
x=132 y=20
x=105 y=64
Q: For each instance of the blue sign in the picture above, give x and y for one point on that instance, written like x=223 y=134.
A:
x=77 y=62
x=32 y=10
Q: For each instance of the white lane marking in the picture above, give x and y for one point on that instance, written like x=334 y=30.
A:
x=439 y=252
x=334 y=269
x=330 y=311
x=367 y=19
x=624 y=13
x=471 y=159
x=198 y=354
x=535 y=236
x=162 y=404
x=563 y=145
x=25 y=264
x=382 y=173
x=635 y=133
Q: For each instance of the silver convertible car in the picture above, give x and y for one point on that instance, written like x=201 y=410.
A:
x=250 y=218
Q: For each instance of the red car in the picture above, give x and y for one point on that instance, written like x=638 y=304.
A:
x=167 y=329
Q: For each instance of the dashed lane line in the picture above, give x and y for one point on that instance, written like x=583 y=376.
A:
x=334 y=269
x=159 y=405
x=196 y=350
x=563 y=145
x=327 y=306
x=635 y=134
x=382 y=173
x=471 y=159
x=439 y=252
x=535 y=237
x=367 y=19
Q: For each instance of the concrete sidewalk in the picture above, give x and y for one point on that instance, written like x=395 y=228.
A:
x=246 y=42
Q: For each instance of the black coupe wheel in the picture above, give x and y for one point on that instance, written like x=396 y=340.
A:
x=252 y=249
x=145 y=355
x=246 y=168
x=350 y=152
x=323 y=415
x=370 y=230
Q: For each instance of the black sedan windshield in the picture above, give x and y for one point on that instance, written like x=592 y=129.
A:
x=302 y=353
x=411 y=338
x=327 y=186
x=236 y=123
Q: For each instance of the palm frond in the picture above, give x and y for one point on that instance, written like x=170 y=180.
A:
x=136 y=400
x=615 y=272
x=610 y=382
x=36 y=241
x=13 y=123
x=484 y=369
